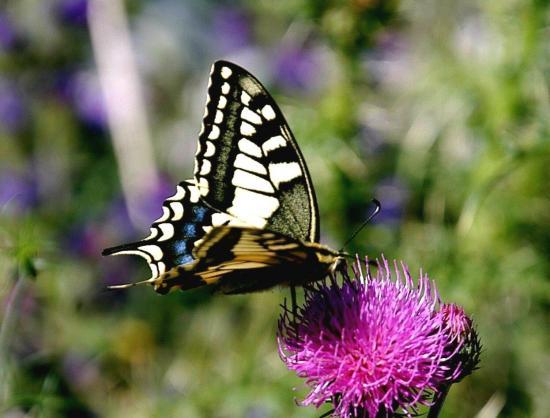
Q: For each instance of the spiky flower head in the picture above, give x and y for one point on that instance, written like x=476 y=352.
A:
x=373 y=346
x=464 y=346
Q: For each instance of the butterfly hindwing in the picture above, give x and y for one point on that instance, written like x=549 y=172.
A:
x=248 y=163
x=241 y=260
x=174 y=235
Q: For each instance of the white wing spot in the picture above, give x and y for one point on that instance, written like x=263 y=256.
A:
x=165 y=215
x=145 y=255
x=152 y=235
x=205 y=168
x=268 y=112
x=245 y=98
x=177 y=208
x=256 y=208
x=247 y=129
x=161 y=267
x=273 y=143
x=284 y=172
x=250 y=116
x=222 y=102
x=225 y=219
x=154 y=270
x=180 y=194
x=226 y=72
x=210 y=149
x=219 y=117
x=202 y=189
x=225 y=88
x=249 y=164
x=251 y=181
x=214 y=133
x=249 y=147
x=153 y=250
x=167 y=231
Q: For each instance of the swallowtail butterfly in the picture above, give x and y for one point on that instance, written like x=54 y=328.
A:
x=248 y=220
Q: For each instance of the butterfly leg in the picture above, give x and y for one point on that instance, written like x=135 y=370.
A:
x=326 y=414
x=293 y=300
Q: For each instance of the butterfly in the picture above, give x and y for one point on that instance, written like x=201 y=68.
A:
x=248 y=220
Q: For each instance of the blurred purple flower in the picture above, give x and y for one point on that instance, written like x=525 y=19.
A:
x=88 y=238
x=80 y=372
x=389 y=63
x=151 y=204
x=8 y=33
x=374 y=345
x=117 y=271
x=18 y=191
x=80 y=90
x=12 y=108
x=86 y=97
x=297 y=67
x=85 y=240
x=231 y=29
x=73 y=12
x=394 y=196
x=117 y=218
x=62 y=84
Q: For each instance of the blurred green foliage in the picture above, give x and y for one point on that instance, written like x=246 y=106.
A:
x=439 y=109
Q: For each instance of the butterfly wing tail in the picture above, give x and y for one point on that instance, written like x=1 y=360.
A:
x=179 y=277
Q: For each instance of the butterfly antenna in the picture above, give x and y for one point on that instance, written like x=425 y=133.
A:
x=377 y=207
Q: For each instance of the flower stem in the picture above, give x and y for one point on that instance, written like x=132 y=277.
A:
x=439 y=398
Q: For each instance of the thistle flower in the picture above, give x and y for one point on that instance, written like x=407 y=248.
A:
x=374 y=346
x=464 y=344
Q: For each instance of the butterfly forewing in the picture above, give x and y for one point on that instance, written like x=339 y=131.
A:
x=248 y=164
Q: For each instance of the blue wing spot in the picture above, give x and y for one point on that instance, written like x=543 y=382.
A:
x=190 y=230
x=180 y=247
x=184 y=259
x=199 y=213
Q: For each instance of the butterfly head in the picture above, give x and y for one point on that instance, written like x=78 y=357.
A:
x=326 y=256
x=338 y=264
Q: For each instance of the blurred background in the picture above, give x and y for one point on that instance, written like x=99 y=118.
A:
x=440 y=109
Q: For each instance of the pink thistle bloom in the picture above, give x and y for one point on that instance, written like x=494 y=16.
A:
x=373 y=346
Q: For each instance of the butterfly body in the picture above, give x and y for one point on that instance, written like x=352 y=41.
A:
x=241 y=260
x=248 y=220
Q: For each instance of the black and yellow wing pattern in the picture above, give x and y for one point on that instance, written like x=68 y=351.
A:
x=241 y=260
x=248 y=164
x=248 y=220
